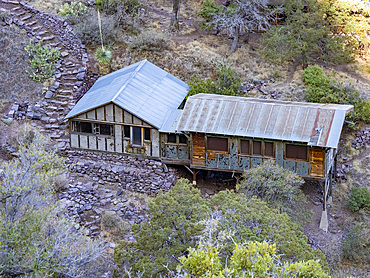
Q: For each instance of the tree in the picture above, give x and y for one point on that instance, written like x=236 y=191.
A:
x=236 y=219
x=324 y=89
x=175 y=14
x=174 y=224
x=247 y=16
x=36 y=240
x=278 y=187
x=227 y=83
x=350 y=19
x=305 y=36
x=250 y=259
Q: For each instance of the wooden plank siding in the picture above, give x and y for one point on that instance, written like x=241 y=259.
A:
x=199 y=149
x=317 y=157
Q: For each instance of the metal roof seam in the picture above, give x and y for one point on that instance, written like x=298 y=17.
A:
x=128 y=80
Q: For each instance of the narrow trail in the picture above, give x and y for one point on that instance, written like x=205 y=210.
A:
x=71 y=70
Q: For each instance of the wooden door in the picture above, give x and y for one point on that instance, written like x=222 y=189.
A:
x=199 y=149
x=317 y=158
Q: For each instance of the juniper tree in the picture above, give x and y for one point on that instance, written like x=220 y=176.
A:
x=240 y=16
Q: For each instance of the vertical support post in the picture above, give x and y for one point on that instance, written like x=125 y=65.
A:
x=324 y=195
x=194 y=178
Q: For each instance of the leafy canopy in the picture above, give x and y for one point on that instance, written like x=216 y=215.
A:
x=324 y=89
x=305 y=36
x=227 y=82
x=175 y=220
x=250 y=259
x=278 y=187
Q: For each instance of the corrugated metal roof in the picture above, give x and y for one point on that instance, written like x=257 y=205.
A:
x=169 y=126
x=313 y=123
x=143 y=89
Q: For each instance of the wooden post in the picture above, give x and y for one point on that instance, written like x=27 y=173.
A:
x=324 y=195
x=194 y=178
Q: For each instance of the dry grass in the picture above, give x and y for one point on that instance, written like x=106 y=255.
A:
x=50 y=6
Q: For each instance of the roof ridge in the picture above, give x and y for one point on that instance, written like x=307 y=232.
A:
x=129 y=79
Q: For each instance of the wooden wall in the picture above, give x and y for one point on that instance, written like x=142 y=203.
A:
x=116 y=116
x=198 y=149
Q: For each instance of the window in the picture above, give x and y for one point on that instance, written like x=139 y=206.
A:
x=257 y=150
x=183 y=139
x=296 y=152
x=146 y=133
x=83 y=127
x=136 y=135
x=217 y=144
x=244 y=147
x=269 y=149
x=171 y=138
x=106 y=129
x=126 y=131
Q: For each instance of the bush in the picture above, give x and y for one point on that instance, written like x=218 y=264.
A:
x=356 y=243
x=4 y=16
x=103 y=56
x=360 y=198
x=42 y=60
x=150 y=40
x=73 y=9
x=207 y=11
x=278 y=187
x=227 y=82
x=87 y=28
x=131 y=7
x=323 y=89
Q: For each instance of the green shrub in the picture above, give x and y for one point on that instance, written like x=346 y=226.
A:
x=356 y=243
x=150 y=40
x=131 y=7
x=207 y=11
x=227 y=82
x=73 y=9
x=103 y=55
x=42 y=60
x=323 y=89
x=360 y=198
x=87 y=28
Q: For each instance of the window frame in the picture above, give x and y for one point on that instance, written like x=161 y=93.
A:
x=250 y=148
x=177 y=139
x=299 y=145
x=218 y=151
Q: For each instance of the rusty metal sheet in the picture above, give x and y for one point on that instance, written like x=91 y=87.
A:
x=265 y=119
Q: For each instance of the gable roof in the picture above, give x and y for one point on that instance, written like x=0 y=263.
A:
x=143 y=89
x=313 y=123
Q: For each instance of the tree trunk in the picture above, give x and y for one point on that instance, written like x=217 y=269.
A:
x=235 y=40
x=175 y=14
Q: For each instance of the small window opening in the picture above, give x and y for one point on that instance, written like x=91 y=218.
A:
x=171 y=138
x=146 y=133
x=85 y=127
x=244 y=147
x=136 y=135
x=106 y=129
x=257 y=148
x=183 y=139
x=217 y=144
x=126 y=131
x=269 y=149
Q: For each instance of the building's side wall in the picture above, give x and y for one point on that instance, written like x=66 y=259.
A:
x=116 y=117
x=234 y=160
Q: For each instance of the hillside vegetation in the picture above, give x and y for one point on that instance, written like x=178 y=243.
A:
x=315 y=51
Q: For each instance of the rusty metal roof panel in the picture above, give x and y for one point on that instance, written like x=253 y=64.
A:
x=143 y=89
x=270 y=119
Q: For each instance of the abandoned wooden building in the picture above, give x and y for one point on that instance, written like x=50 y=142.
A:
x=142 y=110
x=124 y=110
